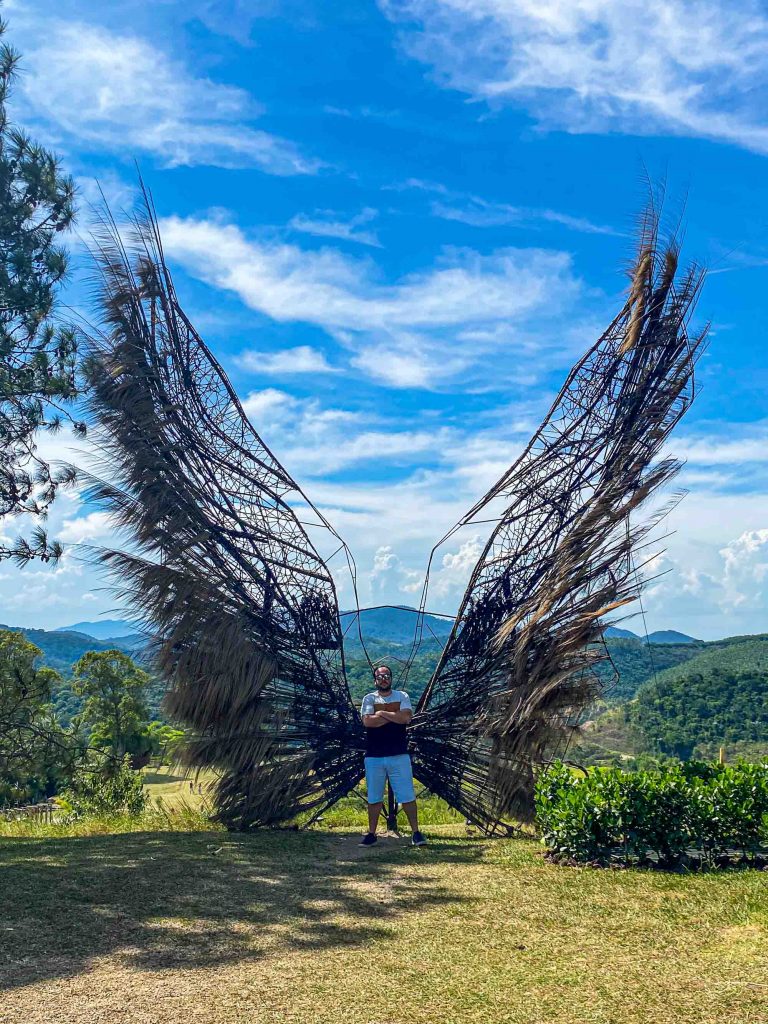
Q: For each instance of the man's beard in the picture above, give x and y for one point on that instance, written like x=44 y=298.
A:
x=382 y=688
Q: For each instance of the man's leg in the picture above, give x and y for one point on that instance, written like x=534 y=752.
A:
x=412 y=815
x=375 y=776
x=400 y=772
x=374 y=810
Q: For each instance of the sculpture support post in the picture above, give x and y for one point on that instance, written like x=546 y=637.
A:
x=391 y=809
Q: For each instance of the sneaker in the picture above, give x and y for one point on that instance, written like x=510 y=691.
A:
x=418 y=839
x=368 y=839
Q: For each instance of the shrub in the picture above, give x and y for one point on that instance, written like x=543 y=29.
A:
x=731 y=810
x=663 y=814
x=105 y=786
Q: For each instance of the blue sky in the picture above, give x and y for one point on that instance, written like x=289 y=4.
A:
x=399 y=223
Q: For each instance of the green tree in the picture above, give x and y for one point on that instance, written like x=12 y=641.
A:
x=165 y=741
x=35 y=752
x=105 y=785
x=37 y=359
x=115 y=709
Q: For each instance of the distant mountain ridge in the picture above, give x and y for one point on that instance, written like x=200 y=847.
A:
x=660 y=636
x=388 y=623
x=61 y=648
x=389 y=632
x=393 y=625
x=103 y=629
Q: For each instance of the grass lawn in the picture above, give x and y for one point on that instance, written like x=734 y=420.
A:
x=149 y=927
x=177 y=787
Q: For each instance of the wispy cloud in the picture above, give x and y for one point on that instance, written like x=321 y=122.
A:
x=315 y=440
x=407 y=360
x=404 y=332
x=596 y=65
x=93 y=526
x=119 y=92
x=327 y=224
x=746 y=444
x=286 y=362
x=484 y=213
x=727 y=260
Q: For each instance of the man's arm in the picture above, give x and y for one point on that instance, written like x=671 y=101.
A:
x=368 y=714
x=402 y=717
x=374 y=721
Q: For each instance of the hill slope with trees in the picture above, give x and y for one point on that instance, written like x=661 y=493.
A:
x=693 y=715
x=717 y=698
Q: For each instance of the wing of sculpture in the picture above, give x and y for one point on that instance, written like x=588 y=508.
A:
x=518 y=668
x=220 y=565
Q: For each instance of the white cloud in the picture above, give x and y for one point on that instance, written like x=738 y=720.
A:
x=477 y=212
x=288 y=283
x=745 y=562
x=28 y=595
x=408 y=360
x=94 y=526
x=456 y=567
x=388 y=572
x=119 y=92
x=674 y=66
x=311 y=440
x=260 y=405
x=712 y=450
x=714 y=567
x=326 y=224
x=398 y=332
x=285 y=362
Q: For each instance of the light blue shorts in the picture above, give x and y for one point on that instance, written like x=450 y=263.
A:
x=399 y=772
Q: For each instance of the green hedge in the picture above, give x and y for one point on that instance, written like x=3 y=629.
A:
x=687 y=812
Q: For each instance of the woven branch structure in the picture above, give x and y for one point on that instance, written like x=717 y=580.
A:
x=220 y=562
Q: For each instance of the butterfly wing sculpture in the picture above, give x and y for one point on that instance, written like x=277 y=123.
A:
x=518 y=669
x=243 y=607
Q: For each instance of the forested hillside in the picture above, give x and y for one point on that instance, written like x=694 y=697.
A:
x=693 y=715
x=734 y=654
x=636 y=661
x=717 y=698
x=62 y=649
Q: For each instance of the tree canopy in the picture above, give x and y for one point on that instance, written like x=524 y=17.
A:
x=695 y=714
x=33 y=747
x=115 y=706
x=38 y=358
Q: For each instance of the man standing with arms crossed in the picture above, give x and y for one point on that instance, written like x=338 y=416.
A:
x=386 y=753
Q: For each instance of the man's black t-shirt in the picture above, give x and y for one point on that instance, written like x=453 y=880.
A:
x=388 y=740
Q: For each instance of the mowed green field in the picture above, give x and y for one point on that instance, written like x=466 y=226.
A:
x=153 y=926
x=177 y=788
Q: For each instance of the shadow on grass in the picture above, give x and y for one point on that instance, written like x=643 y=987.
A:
x=173 y=900
x=150 y=778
